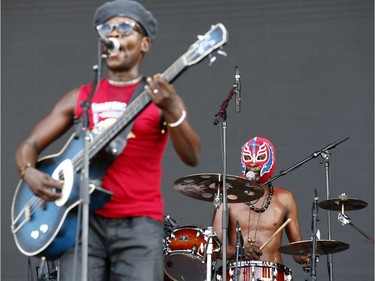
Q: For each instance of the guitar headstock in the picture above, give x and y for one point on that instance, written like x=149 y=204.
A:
x=216 y=37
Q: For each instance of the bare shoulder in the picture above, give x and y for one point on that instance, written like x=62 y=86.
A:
x=237 y=207
x=68 y=102
x=71 y=96
x=283 y=194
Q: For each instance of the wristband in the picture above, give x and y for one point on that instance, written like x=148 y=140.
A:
x=179 y=121
x=23 y=169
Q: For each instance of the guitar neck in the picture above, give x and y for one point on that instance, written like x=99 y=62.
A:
x=212 y=40
x=132 y=111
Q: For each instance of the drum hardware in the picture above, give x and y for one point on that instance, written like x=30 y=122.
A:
x=325 y=154
x=208 y=253
x=344 y=219
x=255 y=271
x=305 y=247
x=207 y=186
x=190 y=252
x=239 y=248
x=315 y=236
x=342 y=204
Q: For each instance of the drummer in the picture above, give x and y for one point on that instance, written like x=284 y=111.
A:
x=260 y=219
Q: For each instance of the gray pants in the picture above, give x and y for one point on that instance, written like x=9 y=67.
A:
x=119 y=250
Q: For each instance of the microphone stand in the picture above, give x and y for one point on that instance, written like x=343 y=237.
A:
x=222 y=115
x=84 y=190
x=239 y=245
x=314 y=155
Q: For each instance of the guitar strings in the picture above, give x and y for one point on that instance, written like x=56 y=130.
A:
x=175 y=68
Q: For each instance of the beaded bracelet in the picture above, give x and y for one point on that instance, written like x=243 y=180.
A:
x=23 y=169
x=179 y=121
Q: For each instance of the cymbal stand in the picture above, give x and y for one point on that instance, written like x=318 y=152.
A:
x=314 y=230
x=344 y=219
x=222 y=115
x=208 y=253
x=325 y=155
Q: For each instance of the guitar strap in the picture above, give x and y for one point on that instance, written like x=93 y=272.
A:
x=116 y=146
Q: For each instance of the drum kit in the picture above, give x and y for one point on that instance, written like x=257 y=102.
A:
x=190 y=250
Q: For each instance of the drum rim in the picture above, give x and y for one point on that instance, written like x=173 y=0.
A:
x=182 y=252
x=202 y=230
x=194 y=226
x=248 y=263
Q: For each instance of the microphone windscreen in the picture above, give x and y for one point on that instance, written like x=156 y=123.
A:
x=250 y=175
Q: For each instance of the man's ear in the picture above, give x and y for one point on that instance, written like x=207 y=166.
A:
x=146 y=44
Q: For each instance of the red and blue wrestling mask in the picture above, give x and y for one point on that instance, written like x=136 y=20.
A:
x=261 y=152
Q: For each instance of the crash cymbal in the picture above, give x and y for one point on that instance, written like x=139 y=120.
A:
x=205 y=187
x=342 y=203
x=305 y=248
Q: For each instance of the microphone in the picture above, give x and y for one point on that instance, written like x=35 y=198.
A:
x=112 y=44
x=239 y=237
x=250 y=175
x=238 y=89
x=314 y=210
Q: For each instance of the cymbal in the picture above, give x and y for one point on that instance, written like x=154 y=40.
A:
x=205 y=187
x=338 y=204
x=305 y=248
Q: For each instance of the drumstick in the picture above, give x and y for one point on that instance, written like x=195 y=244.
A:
x=277 y=231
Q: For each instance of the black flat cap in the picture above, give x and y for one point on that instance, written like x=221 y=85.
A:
x=127 y=8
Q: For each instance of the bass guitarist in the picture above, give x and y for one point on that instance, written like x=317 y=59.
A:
x=125 y=235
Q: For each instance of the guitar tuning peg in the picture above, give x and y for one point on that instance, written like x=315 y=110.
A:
x=221 y=52
x=211 y=59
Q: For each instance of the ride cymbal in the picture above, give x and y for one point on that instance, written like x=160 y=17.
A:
x=305 y=248
x=342 y=203
x=205 y=187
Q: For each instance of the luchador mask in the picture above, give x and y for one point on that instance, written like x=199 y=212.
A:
x=259 y=151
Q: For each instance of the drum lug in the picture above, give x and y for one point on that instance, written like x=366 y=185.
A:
x=252 y=273
x=194 y=249
x=274 y=274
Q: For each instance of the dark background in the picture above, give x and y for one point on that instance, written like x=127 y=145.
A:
x=307 y=81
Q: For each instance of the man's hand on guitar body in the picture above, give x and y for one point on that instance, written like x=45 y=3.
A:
x=43 y=185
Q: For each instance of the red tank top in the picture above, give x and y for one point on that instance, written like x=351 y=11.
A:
x=135 y=176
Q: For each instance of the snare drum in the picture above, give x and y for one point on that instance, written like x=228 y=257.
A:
x=256 y=271
x=185 y=253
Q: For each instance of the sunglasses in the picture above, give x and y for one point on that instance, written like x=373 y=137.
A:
x=123 y=28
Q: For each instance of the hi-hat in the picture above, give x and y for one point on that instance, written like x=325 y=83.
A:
x=305 y=248
x=205 y=187
x=342 y=204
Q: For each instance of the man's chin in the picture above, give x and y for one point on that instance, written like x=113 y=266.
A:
x=116 y=67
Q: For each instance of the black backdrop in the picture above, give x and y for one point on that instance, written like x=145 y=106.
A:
x=307 y=81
